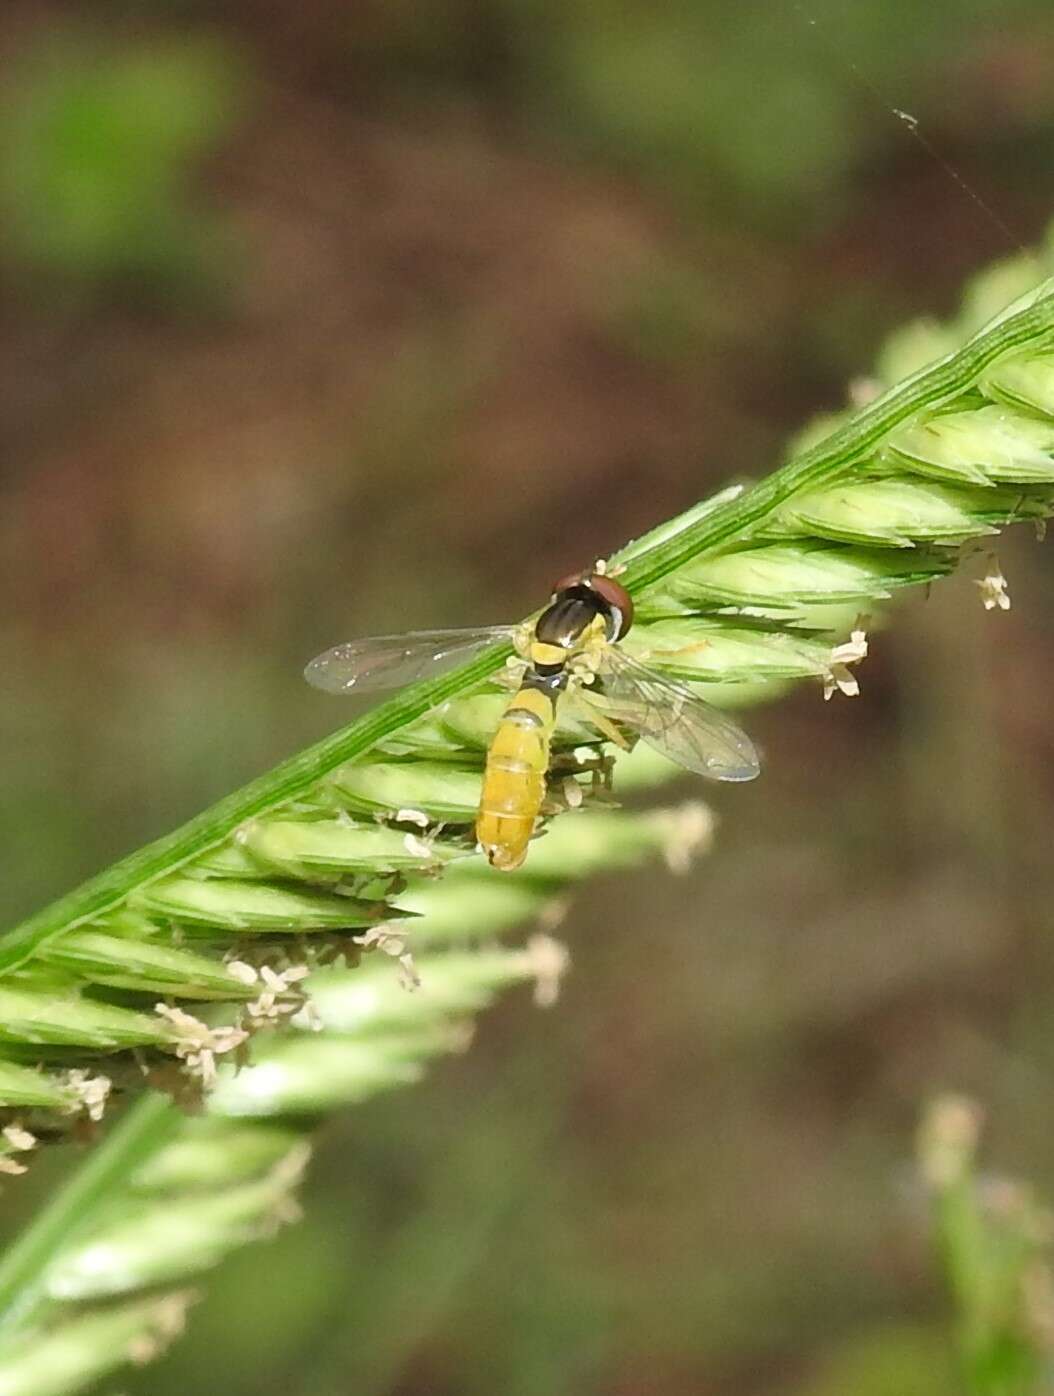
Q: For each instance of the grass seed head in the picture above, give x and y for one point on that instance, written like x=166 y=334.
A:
x=839 y=677
x=994 y=594
x=948 y=1138
x=197 y=1044
x=88 y=1092
x=547 y=961
x=167 y=1320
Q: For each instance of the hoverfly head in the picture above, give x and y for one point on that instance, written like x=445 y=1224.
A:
x=609 y=599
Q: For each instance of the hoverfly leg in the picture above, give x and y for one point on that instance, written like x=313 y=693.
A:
x=605 y=776
x=602 y=780
x=608 y=730
x=579 y=698
x=572 y=792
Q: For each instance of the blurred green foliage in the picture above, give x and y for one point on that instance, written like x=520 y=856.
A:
x=674 y=95
x=762 y=111
x=97 y=146
x=903 y=1359
x=995 y=1238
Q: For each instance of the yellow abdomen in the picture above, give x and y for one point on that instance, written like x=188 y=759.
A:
x=514 y=780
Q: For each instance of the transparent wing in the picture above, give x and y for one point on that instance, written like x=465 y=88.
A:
x=669 y=717
x=389 y=661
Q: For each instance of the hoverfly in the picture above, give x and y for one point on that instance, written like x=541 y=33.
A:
x=572 y=646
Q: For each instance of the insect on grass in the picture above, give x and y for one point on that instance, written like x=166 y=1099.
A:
x=569 y=655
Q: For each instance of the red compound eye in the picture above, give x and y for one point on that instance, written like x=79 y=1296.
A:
x=572 y=579
x=618 y=598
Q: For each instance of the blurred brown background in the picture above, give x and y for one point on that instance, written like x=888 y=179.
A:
x=322 y=319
